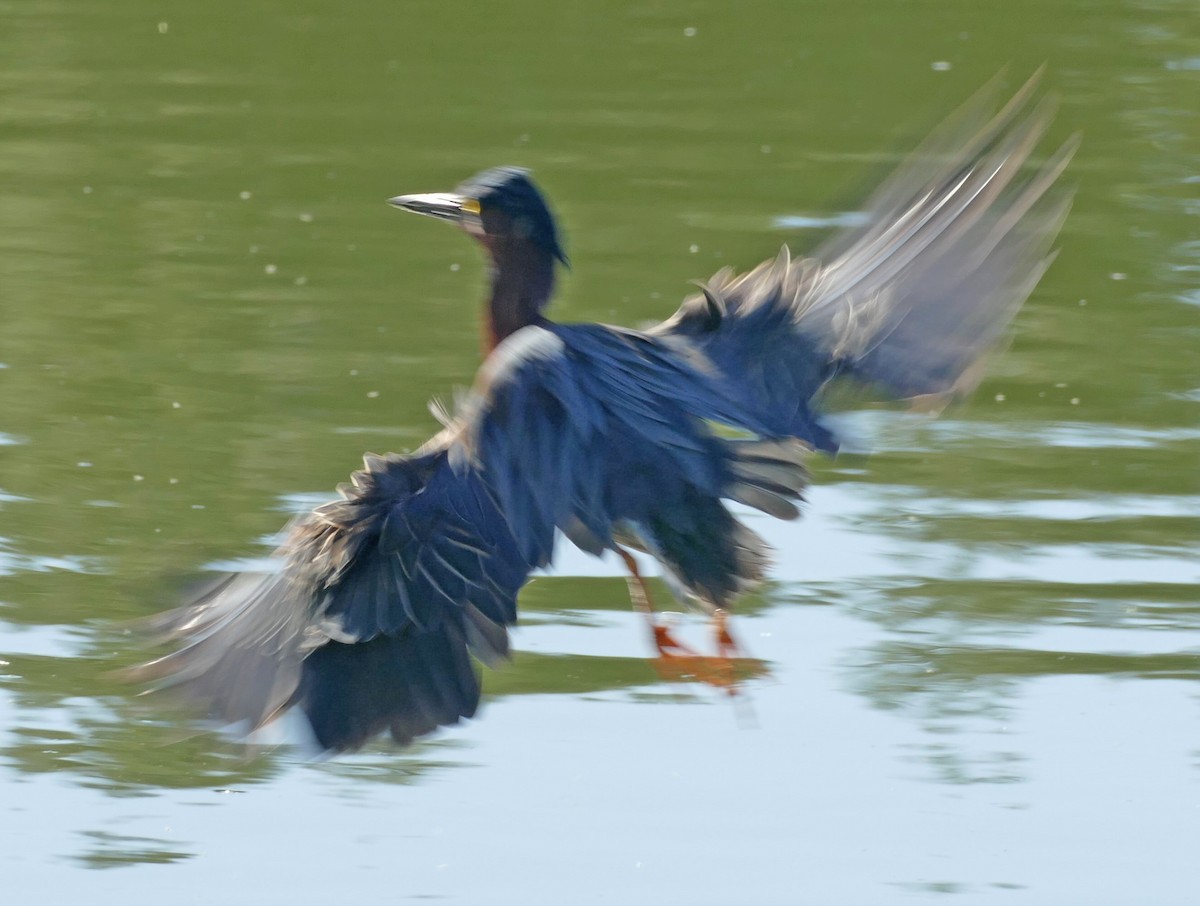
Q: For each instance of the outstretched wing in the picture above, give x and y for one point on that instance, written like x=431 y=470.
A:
x=368 y=625
x=910 y=301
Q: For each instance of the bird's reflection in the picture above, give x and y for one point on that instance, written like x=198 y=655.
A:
x=125 y=744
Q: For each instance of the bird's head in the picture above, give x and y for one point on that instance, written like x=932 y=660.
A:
x=497 y=205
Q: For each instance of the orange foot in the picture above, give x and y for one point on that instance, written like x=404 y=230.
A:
x=668 y=646
x=726 y=670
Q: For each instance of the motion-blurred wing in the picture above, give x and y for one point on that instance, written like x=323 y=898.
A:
x=368 y=625
x=953 y=243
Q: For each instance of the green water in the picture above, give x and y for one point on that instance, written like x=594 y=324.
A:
x=984 y=639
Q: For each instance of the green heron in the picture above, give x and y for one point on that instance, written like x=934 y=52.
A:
x=387 y=595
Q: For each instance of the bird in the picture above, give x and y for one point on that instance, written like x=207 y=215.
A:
x=617 y=439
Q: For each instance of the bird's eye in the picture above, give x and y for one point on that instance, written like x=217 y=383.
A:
x=471 y=206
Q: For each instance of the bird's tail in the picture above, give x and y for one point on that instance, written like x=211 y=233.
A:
x=769 y=475
x=707 y=553
x=913 y=298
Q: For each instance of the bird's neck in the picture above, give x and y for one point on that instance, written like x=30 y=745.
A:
x=522 y=283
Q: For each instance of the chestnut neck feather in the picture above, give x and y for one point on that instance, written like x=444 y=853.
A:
x=522 y=283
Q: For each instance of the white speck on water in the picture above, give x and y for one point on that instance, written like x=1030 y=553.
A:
x=306 y=217
x=84 y=465
x=689 y=32
x=372 y=394
x=1074 y=401
x=693 y=248
x=197 y=506
x=301 y=280
x=173 y=481
x=808 y=222
x=1061 y=386
x=353 y=372
x=139 y=477
x=270 y=269
x=176 y=405
x=254 y=250
x=454 y=267
x=941 y=66
x=87 y=190
x=999 y=397
x=1083 y=301
x=1117 y=275
x=765 y=149
x=163 y=27
x=244 y=195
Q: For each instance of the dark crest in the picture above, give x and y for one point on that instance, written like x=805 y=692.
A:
x=508 y=191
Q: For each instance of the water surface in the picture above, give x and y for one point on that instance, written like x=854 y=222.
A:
x=984 y=639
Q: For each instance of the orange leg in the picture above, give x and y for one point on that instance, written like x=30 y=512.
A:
x=640 y=595
x=677 y=662
x=727 y=646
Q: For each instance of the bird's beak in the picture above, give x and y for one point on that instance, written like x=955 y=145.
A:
x=442 y=205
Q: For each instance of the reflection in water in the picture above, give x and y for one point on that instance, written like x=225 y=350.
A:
x=129 y=745
x=113 y=744
x=984 y=638
x=109 y=850
x=383 y=763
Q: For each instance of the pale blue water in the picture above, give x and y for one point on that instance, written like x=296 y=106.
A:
x=983 y=639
